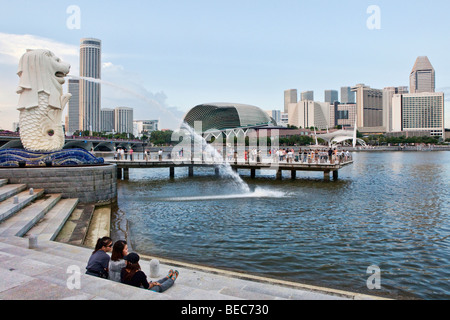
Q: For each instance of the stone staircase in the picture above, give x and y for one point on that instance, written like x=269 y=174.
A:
x=55 y=270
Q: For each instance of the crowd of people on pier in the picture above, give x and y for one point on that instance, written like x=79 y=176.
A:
x=124 y=267
x=330 y=155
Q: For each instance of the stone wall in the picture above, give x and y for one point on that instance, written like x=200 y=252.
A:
x=90 y=184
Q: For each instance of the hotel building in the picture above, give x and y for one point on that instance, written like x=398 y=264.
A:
x=90 y=91
x=419 y=113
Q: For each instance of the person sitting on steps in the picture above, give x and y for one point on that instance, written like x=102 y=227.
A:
x=98 y=263
x=134 y=276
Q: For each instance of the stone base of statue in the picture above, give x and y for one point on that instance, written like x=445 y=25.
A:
x=72 y=173
x=70 y=157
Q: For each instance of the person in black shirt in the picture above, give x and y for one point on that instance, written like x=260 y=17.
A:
x=134 y=276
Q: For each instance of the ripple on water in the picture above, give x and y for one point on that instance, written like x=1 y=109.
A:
x=388 y=209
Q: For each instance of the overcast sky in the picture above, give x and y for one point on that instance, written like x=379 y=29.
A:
x=175 y=54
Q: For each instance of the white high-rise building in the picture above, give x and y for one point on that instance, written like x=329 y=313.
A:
x=90 y=91
x=123 y=119
x=419 y=112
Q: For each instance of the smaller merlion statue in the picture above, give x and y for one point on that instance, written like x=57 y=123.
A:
x=41 y=101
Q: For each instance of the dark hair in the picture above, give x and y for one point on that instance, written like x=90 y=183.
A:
x=117 y=252
x=102 y=242
x=131 y=270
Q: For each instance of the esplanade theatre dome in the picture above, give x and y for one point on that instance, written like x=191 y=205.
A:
x=223 y=116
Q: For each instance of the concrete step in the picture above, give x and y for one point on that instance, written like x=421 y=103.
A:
x=3 y=182
x=51 y=224
x=9 y=190
x=9 y=208
x=42 y=275
x=79 y=233
x=25 y=219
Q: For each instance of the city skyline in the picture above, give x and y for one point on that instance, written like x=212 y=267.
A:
x=200 y=56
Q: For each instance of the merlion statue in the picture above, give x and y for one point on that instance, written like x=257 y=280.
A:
x=41 y=101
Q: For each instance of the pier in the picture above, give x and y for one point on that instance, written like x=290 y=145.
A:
x=328 y=169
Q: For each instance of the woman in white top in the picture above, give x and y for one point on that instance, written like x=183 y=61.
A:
x=117 y=262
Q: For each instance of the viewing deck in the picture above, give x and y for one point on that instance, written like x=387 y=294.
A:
x=327 y=168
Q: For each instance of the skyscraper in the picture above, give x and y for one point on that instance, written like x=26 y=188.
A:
x=388 y=94
x=347 y=95
x=307 y=96
x=107 y=120
x=123 y=118
x=290 y=96
x=74 y=106
x=90 y=91
x=331 y=96
x=422 y=78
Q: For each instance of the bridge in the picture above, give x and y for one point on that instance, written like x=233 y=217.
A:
x=327 y=168
x=12 y=141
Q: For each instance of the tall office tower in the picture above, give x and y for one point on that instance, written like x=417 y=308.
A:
x=347 y=95
x=90 y=91
x=388 y=94
x=369 y=106
x=421 y=113
x=123 y=119
x=422 y=78
x=307 y=96
x=74 y=106
x=306 y=114
x=331 y=96
x=107 y=120
x=290 y=96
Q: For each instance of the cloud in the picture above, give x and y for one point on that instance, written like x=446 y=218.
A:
x=120 y=87
x=13 y=46
x=123 y=88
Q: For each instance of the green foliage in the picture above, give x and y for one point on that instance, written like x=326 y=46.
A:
x=161 y=137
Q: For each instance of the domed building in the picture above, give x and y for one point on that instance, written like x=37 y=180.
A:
x=228 y=116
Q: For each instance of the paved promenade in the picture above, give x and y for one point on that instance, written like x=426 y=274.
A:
x=51 y=272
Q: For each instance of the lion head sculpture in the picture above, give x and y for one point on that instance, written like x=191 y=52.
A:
x=41 y=71
x=41 y=101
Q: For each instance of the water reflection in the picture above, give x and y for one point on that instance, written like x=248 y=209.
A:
x=388 y=209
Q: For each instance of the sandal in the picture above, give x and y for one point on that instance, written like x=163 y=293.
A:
x=175 y=275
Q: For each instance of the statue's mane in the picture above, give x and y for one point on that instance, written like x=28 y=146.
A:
x=37 y=75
